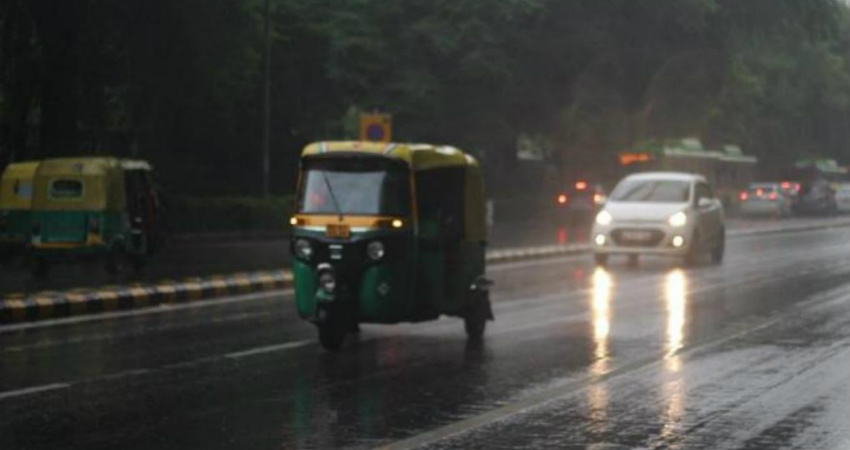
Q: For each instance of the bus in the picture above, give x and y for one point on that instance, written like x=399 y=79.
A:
x=728 y=170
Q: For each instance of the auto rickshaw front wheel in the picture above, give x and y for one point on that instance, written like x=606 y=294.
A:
x=332 y=332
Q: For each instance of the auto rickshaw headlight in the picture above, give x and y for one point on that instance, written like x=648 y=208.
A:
x=303 y=249
x=327 y=281
x=375 y=250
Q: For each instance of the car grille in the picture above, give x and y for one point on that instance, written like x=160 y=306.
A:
x=622 y=239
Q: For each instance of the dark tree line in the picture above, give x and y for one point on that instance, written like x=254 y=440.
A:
x=179 y=82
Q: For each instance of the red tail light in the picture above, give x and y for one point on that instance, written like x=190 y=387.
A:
x=743 y=196
x=773 y=196
x=562 y=199
x=786 y=185
x=581 y=185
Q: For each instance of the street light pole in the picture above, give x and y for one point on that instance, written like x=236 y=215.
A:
x=266 y=100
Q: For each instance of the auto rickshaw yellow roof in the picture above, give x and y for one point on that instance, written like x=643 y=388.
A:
x=417 y=156
x=20 y=170
x=78 y=166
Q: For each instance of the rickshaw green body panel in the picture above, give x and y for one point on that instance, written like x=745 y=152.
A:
x=430 y=264
x=89 y=219
x=384 y=293
x=16 y=202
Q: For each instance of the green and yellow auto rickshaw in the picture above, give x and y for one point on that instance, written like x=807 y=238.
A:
x=88 y=208
x=388 y=233
x=15 y=204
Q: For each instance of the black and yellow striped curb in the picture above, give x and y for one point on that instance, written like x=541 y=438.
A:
x=520 y=254
x=55 y=304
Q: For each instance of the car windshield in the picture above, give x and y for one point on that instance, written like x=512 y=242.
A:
x=355 y=187
x=654 y=191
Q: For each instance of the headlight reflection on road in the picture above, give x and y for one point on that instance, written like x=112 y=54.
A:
x=676 y=288
x=676 y=296
x=600 y=313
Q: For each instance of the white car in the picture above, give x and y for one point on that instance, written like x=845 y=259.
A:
x=842 y=198
x=660 y=213
x=765 y=199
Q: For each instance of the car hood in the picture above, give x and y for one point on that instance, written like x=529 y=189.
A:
x=642 y=211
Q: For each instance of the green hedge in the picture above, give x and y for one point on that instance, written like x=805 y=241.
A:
x=228 y=214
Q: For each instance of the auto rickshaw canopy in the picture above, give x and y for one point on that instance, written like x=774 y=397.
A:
x=16 y=185
x=419 y=158
x=416 y=156
x=101 y=181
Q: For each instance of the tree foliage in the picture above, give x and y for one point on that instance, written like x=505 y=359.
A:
x=180 y=81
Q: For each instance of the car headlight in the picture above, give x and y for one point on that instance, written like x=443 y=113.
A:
x=604 y=218
x=303 y=249
x=375 y=250
x=678 y=220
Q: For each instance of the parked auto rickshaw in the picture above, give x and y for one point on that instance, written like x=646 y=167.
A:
x=388 y=233
x=15 y=205
x=90 y=208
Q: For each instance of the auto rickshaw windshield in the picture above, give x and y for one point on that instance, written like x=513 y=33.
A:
x=354 y=187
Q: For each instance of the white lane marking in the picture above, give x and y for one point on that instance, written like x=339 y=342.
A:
x=159 y=309
x=138 y=372
x=33 y=390
x=268 y=349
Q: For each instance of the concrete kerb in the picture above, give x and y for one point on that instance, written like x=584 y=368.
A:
x=16 y=308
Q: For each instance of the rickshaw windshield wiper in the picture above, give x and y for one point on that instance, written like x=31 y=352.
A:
x=333 y=196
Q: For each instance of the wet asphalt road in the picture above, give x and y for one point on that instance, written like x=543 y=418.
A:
x=751 y=354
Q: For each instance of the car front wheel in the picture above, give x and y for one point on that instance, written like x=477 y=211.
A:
x=719 y=249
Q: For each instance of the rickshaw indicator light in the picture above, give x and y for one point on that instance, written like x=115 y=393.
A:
x=303 y=249
x=375 y=250
x=327 y=281
x=397 y=223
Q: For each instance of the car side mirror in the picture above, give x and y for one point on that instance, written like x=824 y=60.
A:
x=705 y=202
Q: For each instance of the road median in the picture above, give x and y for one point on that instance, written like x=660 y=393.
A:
x=16 y=308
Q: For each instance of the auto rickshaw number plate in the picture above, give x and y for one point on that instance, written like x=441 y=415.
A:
x=338 y=230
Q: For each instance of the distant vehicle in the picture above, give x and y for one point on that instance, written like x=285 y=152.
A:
x=766 y=199
x=660 y=213
x=90 y=208
x=816 y=197
x=579 y=203
x=728 y=170
x=842 y=198
x=15 y=206
x=389 y=233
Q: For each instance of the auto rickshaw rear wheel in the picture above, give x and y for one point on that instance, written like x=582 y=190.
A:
x=116 y=260
x=40 y=267
x=477 y=315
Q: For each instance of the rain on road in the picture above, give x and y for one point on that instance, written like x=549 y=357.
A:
x=751 y=354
